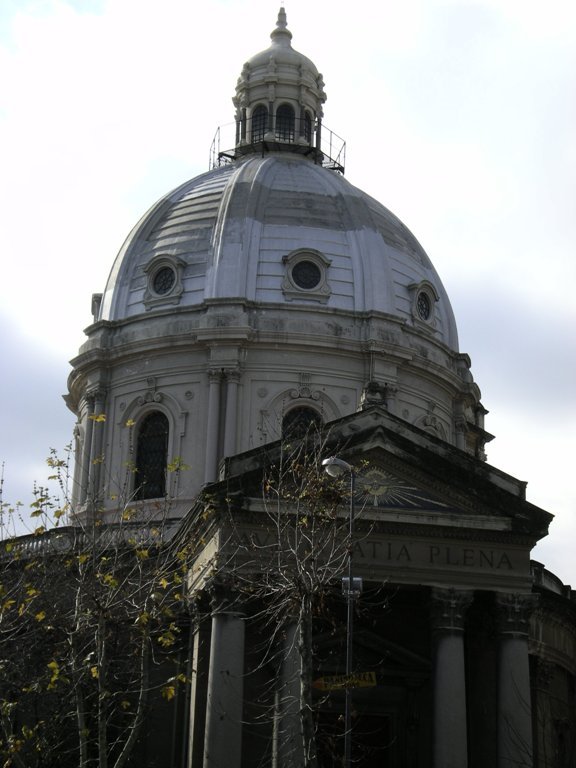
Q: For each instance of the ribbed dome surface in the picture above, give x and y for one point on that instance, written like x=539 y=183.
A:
x=233 y=228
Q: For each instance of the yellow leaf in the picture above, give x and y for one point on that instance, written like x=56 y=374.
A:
x=125 y=704
x=130 y=422
x=40 y=616
x=168 y=692
x=98 y=417
x=94 y=672
x=109 y=580
x=167 y=639
x=83 y=558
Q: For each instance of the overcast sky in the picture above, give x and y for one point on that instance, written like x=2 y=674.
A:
x=459 y=116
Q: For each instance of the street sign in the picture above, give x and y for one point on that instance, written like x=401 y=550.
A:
x=341 y=682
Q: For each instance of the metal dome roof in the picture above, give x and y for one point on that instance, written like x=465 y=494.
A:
x=231 y=233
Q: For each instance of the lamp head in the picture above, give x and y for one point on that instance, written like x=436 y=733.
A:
x=336 y=467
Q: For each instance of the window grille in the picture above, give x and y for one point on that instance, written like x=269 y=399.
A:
x=152 y=457
x=285 y=123
x=259 y=123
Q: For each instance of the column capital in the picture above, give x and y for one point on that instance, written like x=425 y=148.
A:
x=96 y=393
x=215 y=375
x=224 y=601
x=448 y=608
x=232 y=375
x=513 y=613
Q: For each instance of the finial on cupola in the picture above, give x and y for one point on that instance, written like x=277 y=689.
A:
x=281 y=35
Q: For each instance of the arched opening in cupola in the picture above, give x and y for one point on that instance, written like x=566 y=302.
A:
x=285 y=122
x=259 y=123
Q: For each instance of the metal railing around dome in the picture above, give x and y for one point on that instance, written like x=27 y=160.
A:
x=231 y=142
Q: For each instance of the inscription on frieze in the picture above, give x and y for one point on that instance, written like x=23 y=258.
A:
x=418 y=553
x=422 y=553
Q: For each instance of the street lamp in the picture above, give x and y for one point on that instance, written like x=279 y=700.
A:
x=336 y=467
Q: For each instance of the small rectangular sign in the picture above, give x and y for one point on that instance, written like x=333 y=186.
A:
x=340 y=682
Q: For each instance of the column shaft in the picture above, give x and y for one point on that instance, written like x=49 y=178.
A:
x=288 y=738
x=514 y=699
x=198 y=694
x=212 y=427
x=97 y=442
x=450 y=730
x=231 y=413
x=223 y=735
x=86 y=448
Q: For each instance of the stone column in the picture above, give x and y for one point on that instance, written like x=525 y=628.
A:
x=232 y=378
x=288 y=748
x=213 y=425
x=86 y=448
x=223 y=734
x=200 y=660
x=96 y=448
x=514 y=701
x=450 y=733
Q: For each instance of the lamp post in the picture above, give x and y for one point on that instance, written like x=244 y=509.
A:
x=336 y=467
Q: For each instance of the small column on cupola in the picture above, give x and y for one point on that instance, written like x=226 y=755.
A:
x=279 y=98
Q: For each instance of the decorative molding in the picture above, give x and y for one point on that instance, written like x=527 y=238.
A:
x=304 y=389
x=375 y=393
x=171 y=296
x=151 y=395
x=448 y=609
x=294 y=289
x=514 y=612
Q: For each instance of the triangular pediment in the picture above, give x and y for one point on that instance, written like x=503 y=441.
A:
x=402 y=470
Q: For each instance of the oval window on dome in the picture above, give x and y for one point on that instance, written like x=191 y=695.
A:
x=164 y=281
x=306 y=274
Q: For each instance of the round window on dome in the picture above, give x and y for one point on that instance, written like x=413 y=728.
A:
x=424 y=306
x=163 y=281
x=306 y=275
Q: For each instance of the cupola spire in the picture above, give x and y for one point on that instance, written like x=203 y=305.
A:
x=281 y=35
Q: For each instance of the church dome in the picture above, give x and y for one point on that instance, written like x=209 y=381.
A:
x=277 y=229
x=264 y=296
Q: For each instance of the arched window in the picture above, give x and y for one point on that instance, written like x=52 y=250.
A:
x=301 y=421
x=285 y=123
x=307 y=127
x=152 y=457
x=259 y=123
